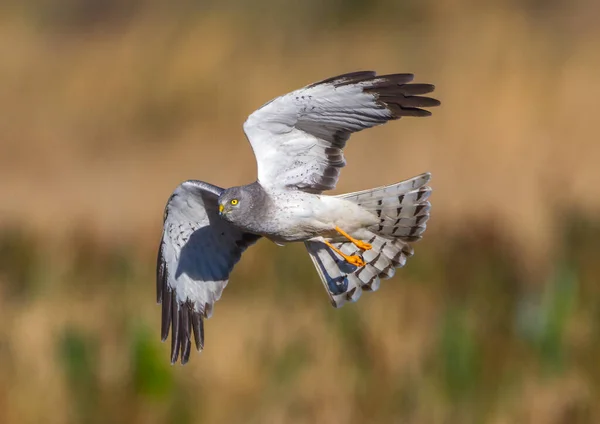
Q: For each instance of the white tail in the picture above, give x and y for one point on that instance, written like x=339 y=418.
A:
x=403 y=209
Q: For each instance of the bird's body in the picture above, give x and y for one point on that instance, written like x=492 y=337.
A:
x=301 y=216
x=354 y=240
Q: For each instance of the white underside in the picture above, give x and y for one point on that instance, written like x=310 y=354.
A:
x=306 y=216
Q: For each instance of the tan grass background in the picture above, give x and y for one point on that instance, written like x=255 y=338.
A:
x=105 y=109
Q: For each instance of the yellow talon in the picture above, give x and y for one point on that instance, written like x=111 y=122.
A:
x=352 y=260
x=355 y=260
x=360 y=244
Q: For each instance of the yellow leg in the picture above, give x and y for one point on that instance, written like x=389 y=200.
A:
x=360 y=244
x=354 y=259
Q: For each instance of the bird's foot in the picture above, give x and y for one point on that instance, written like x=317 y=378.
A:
x=355 y=260
x=358 y=243
x=352 y=260
x=362 y=245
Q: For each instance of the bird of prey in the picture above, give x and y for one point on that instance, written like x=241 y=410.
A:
x=354 y=240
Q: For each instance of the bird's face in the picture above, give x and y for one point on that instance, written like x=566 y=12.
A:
x=232 y=203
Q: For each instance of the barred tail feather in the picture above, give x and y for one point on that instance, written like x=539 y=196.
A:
x=403 y=211
x=345 y=282
x=389 y=190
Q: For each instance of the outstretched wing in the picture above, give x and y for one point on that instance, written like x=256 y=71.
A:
x=298 y=138
x=197 y=252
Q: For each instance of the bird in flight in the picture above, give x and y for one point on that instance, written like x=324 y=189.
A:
x=354 y=240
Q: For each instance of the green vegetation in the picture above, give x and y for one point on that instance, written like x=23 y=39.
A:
x=489 y=336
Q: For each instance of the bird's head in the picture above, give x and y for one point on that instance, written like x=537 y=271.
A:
x=233 y=202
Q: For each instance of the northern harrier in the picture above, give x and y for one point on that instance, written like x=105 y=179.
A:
x=353 y=239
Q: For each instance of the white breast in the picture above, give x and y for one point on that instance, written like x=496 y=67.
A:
x=302 y=216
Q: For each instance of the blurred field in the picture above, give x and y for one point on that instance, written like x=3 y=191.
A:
x=107 y=106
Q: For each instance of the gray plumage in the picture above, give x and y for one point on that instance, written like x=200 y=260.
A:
x=298 y=141
x=197 y=252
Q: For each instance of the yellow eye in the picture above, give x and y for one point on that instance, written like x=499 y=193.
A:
x=234 y=202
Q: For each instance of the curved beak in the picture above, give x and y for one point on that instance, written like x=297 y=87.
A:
x=221 y=207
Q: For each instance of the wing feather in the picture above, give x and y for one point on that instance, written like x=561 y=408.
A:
x=197 y=252
x=298 y=139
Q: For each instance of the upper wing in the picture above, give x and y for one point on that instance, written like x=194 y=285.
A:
x=197 y=252
x=298 y=138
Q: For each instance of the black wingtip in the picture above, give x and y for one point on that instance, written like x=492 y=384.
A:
x=416 y=89
x=164 y=294
x=401 y=97
x=399 y=111
x=393 y=79
x=198 y=329
x=185 y=322
x=167 y=305
x=175 y=333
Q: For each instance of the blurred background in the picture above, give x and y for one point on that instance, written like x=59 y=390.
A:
x=107 y=105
